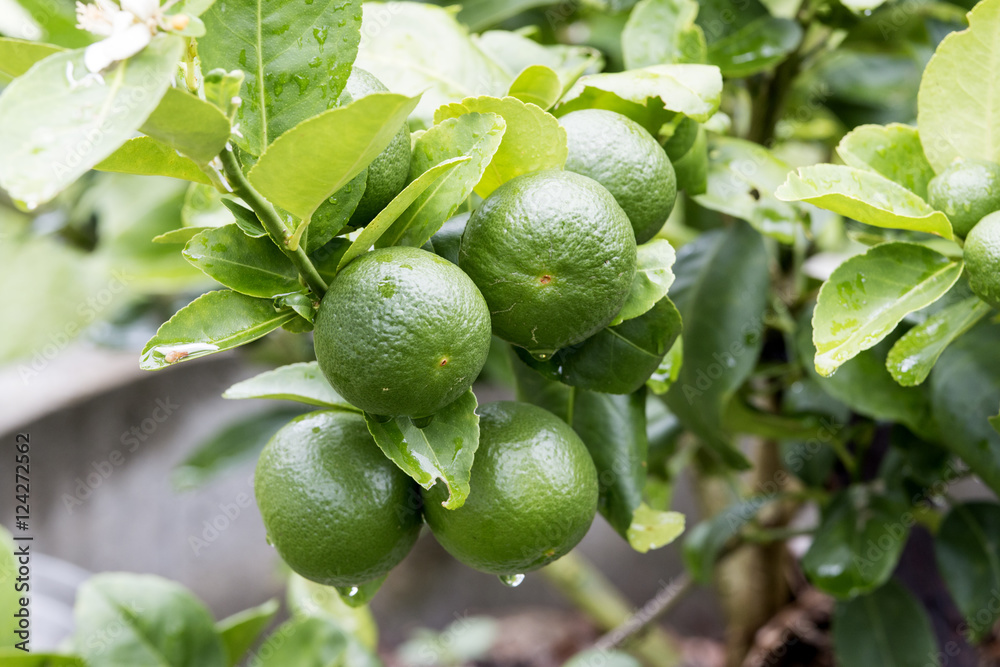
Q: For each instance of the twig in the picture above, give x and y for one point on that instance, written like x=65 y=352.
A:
x=663 y=602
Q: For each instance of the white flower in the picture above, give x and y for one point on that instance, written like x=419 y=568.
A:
x=127 y=29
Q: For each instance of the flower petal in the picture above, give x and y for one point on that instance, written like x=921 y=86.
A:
x=121 y=45
x=143 y=9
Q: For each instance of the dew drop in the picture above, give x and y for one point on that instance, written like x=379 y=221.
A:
x=511 y=580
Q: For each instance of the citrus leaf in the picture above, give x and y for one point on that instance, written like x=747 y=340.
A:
x=864 y=196
x=307 y=598
x=18 y=55
x=189 y=125
x=652 y=529
x=303 y=382
x=705 y=542
x=480 y=14
x=11 y=657
x=334 y=214
x=913 y=356
x=663 y=32
x=474 y=135
x=534 y=140
x=385 y=219
x=887 y=628
x=893 y=150
x=204 y=207
x=296 y=56
x=443 y=449
x=213 y=322
x=958 y=107
x=148 y=157
x=317 y=157
x=868 y=295
x=240 y=631
x=307 y=641
x=669 y=369
x=182 y=235
x=514 y=52
x=538 y=85
x=756 y=46
x=251 y=266
x=653 y=278
x=245 y=219
x=967 y=546
x=54 y=126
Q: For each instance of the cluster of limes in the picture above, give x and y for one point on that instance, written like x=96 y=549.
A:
x=968 y=192
x=546 y=261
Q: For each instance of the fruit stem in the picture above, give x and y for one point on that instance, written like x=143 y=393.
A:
x=276 y=229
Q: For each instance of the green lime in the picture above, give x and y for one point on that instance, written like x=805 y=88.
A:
x=402 y=331
x=966 y=191
x=337 y=510
x=622 y=156
x=982 y=259
x=554 y=255
x=388 y=174
x=533 y=493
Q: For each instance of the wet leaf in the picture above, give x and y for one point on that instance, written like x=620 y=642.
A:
x=893 y=150
x=653 y=278
x=887 y=628
x=913 y=356
x=148 y=157
x=662 y=32
x=303 y=382
x=538 y=85
x=252 y=266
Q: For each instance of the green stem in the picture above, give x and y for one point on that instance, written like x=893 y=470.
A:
x=276 y=229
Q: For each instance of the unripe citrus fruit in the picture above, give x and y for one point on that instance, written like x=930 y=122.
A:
x=553 y=254
x=982 y=259
x=622 y=156
x=966 y=191
x=336 y=509
x=402 y=331
x=533 y=493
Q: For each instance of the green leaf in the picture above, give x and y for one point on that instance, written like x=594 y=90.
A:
x=213 y=322
x=864 y=196
x=888 y=628
x=240 y=631
x=235 y=443
x=652 y=529
x=307 y=641
x=913 y=356
x=18 y=55
x=307 y=598
x=757 y=46
x=692 y=167
x=54 y=127
x=475 y=135
x=653 y=278
x=251 y=266
x=158 y=622
x=721 y=291
x=958 y=109
x=662 y=32
x=965 y=392
x=893 y=150
x=514 y=52
x=385 y=219
x=534 y=139
x=669 y=369
x=58 y=22
x=857 y=544
x=296 y=56
x=245 y=219
x=538 y=85
x=148 y=157
x=868 y=295
x=303 y=382
x=189 y=125
x=334 y=214
x=417 y=48
x=967 y=546
x=181 y=236
x=693 y=90
x=204 y=207
x=443 y=449
x=17 y=658
x=705 y=542
x=480 y=14
x=317 y=157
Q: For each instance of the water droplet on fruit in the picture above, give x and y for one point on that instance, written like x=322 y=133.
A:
x=511 y=580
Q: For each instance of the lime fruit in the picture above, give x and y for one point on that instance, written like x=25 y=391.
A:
x=622 y=156
x=337 y=510
x=554 y=255
x=402 y=331
x=966 y=191
x=982 y=259
x=388 y=173
x=533 y=493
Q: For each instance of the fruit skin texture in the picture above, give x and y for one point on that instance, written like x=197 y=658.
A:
x=388 y=173
x=982 y=259
x=553 y=254
x=622 y=156
x=533 y=493
x=967 y=191
x=387 y=323
x=337 y=510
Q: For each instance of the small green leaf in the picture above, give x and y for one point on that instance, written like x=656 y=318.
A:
x=189 y=125
x=385 y=219
x=893 y=150
x=967 y=546
x=653 y=278
x=251 y=266
x=307 y=598
x=443 y=449
x=306 y=641
x=705 y=542
x=182 y=235
x=757 y=46
x=317 y=157
x=864 y=196
x=240 y=631
x=514 y=52
x=538 y=85
x=887 y=628
x=534 y=140
x=148 y=157
x=18 y=55
x=669 y=369
x=334 y=214
x=245 y=219
x=213 y=322
x=868 y=295
x=660 y=32
x=303 y=382
x=652 y=529
x=913 y=356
